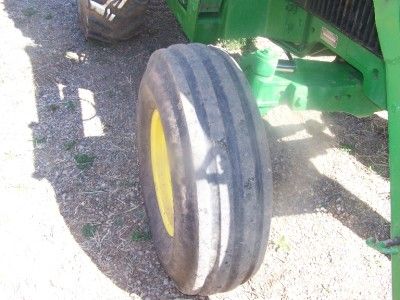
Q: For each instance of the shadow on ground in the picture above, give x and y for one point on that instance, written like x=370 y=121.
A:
x=85 y=143
x=85 y=136
x=300 y=188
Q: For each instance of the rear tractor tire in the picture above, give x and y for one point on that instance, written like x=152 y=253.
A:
x=111 y=21
x=204 y=167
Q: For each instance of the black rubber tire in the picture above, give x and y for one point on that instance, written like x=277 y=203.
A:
x=220 y=168
x=113 y=21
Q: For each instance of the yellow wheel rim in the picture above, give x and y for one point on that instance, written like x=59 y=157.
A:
x=161 y=173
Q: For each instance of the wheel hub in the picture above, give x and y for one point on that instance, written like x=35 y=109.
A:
x=161 y=173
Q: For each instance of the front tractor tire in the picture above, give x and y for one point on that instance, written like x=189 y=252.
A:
x=111 y=21
x=204 y=167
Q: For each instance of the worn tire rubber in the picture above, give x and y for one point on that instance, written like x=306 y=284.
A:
x=220 y=168
x=111 y=21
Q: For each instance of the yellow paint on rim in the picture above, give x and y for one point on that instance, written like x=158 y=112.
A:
x=161 y=172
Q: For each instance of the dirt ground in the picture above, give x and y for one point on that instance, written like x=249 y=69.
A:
x=72 y=222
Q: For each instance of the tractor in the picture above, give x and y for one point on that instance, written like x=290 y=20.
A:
x=205 y=169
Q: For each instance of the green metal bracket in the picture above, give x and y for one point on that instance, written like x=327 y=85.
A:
x=299 y=32
x=317 y=85
x=389 y=247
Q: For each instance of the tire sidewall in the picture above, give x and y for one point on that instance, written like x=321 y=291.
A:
x=177 y=254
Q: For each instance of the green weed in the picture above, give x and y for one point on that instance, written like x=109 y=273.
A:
x=39 y=141
x=126 y=183
x=29 y=11
x=89 y=230
x=347 y=147
x=69 y=145
x=282 y=244
x=140 y=236
x=70 y=105
x=53 y=107
x=84 y=161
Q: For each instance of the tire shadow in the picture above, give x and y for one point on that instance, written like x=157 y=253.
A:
x=364 y=138
x=300 y=188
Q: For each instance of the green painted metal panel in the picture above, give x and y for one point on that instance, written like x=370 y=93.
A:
x=371 y=66
x=299 y=32
x=286 y=21
x=206 y=21
x=186 y=12
x=243 y=18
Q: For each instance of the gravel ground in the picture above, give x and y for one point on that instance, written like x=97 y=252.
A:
x=72 y=220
